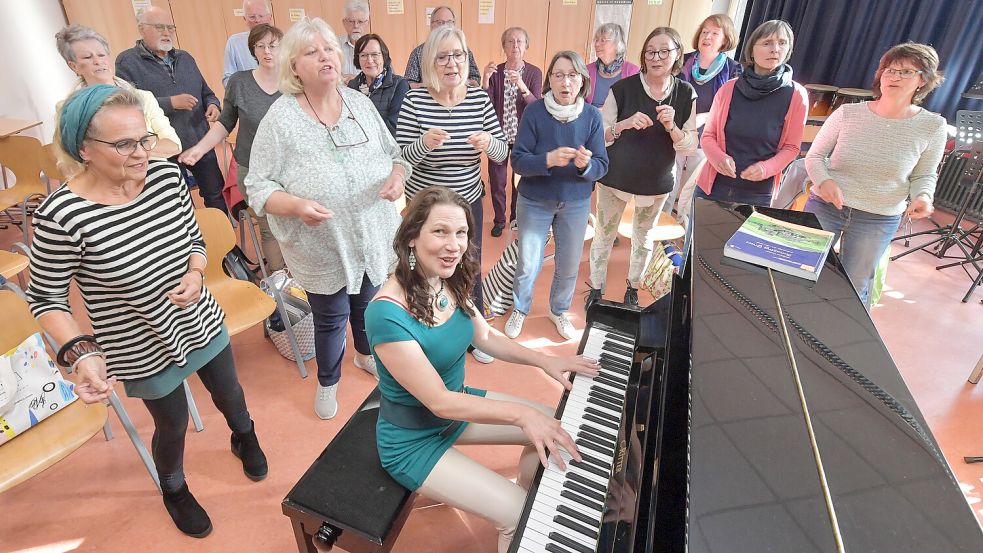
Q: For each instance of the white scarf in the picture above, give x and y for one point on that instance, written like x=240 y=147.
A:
x=563 y=114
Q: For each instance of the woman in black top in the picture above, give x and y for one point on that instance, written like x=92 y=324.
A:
x=377 y=80
x=648 y=118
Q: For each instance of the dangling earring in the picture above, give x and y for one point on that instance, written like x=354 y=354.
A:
x=412 y=259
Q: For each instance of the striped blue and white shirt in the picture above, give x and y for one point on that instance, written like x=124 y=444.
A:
x=456 y=164
x=125 y=259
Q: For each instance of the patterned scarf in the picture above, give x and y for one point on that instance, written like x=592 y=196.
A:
x=366 y=88
x=613 y=68
x=716 y=65
x=510 y=119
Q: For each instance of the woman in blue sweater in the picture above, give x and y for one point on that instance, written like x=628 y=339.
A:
x=559 y=152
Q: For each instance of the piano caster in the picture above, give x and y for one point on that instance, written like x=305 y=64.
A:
x=973 y=459
x=325 y=537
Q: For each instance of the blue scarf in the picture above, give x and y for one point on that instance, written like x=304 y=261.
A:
x=76 y=114
x=718 y=63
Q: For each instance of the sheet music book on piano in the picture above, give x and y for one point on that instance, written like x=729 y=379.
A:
x=793 y=249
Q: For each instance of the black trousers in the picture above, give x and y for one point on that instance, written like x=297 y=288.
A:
x=209 y=178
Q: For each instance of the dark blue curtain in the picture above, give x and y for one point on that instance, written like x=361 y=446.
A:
x=839 y=42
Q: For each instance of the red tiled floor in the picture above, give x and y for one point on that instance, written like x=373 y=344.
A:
x=101 y=498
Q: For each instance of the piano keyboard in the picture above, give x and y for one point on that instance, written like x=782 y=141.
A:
x=566 y=513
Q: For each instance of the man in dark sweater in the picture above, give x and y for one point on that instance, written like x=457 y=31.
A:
x=174 y=78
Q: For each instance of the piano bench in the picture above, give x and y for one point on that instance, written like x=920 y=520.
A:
x=346 y=498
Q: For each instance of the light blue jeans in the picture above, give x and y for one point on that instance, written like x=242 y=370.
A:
x=863 y=238
x=569 y=222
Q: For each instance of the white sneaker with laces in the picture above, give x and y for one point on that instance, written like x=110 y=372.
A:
x=481 y=356
x=514 y=325
x=326 y=402
x=368 y=365
x=563 y=325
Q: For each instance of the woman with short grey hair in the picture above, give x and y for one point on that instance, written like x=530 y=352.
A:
x=87 y=54
x=330 y=209
x=610 y=65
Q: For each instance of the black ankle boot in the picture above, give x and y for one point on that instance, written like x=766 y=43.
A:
x=593 y=294
x=187 y=513
x=631 y=295
x=245 y=446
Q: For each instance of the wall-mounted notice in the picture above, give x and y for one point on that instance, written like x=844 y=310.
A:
x=239 y=12
x=296 y=14
x=602 y=2
x=139 y=6
x=394 y=7
x=486 y=12
x=655 y=2
x=569 y=2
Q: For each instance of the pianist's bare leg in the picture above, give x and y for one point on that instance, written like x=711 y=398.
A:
x=463 y=483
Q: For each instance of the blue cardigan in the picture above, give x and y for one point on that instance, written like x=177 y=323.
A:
x=539 y=133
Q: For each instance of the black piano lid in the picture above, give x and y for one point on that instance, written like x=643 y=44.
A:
x=754 y=486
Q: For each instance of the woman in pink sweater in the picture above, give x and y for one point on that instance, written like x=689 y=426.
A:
x=754 y=129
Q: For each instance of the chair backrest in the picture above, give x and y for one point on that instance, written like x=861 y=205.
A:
x=18 y=323
x=49 y=163
x=22 y=156
x=219 y=239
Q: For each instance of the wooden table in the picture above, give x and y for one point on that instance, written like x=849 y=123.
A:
x=9 y=126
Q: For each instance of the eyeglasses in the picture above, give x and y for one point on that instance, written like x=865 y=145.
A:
x=453 y=57
x=127 y=147
x=903 y=73
x=565 y=76
x=268 y=47
x=652 y=55
x=441 y=22
x=602 y=40
x=256 y=18
x=160 y=27
x=356 y=22
x=370 y=56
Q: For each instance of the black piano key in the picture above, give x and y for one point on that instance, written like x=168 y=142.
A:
x=588 y=493
x=553 y=548
x=603 y=379
x=587 y=444
x=630 y=340
x=611 y=369
x=575 y=514
x=601 y=422
x=575 y=526
x=603 y=402
x=598 y=431
x=607 y=358
x=595 y=461
x=591 y=468
x=604 y=415
x=607 y=394
x=618 y=347
x=582 y=500
x=598 y=445
x=590 y=433
x=563 y=540
x=587 y=482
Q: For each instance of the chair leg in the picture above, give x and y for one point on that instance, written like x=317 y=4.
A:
x=131 y=431
x=977 y=372
x=193 y=408
x=282 y=308
x=246 y=222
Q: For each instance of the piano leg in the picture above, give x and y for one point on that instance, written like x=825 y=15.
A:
x=305 y=543
x=974 y=377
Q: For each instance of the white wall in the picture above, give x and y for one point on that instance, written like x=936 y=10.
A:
x=34 y=77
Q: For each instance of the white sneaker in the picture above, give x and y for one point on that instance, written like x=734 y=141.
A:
x=326 y=402
x=514 y=325
x=368 y=365
x=481 y=356
x=563 y=325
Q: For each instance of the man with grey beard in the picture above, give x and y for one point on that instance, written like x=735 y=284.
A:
x=174 y=78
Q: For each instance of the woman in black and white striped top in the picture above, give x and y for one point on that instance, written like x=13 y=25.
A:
x=444 y=128
x=123 y=228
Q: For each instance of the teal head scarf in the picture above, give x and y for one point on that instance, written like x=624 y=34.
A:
x=76 y=114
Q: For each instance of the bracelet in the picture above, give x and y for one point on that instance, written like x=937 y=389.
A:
x=614 y=134
x=76 y=347
x=200 y=271
x=84 y=356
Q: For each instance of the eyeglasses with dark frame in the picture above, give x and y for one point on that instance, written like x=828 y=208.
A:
x=128 y=146
x=903 y=73
x=652 y=55
x=453 y=57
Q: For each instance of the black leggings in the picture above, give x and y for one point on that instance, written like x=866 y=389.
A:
x=170 y=414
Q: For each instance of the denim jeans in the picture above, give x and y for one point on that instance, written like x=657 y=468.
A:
x=332 y=312
x=863 y=238
x=569 y=222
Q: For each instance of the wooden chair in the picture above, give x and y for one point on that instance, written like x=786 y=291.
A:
x=55 y=437
x=49 y=166
x=12 y=264
x=21 y=155
x=245 y=305
x=666 y=228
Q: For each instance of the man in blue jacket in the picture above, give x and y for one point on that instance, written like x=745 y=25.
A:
x=174 y=78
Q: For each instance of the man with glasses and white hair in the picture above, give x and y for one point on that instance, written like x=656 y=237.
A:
x=356 y=22
x=440 y=16
x=237 y=54
x=173 y=76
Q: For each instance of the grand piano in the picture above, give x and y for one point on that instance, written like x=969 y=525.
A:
x=746 y=412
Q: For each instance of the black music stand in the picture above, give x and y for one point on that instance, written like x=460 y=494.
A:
x=972 y=255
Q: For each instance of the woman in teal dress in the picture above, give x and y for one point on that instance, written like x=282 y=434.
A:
x=419 y=327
